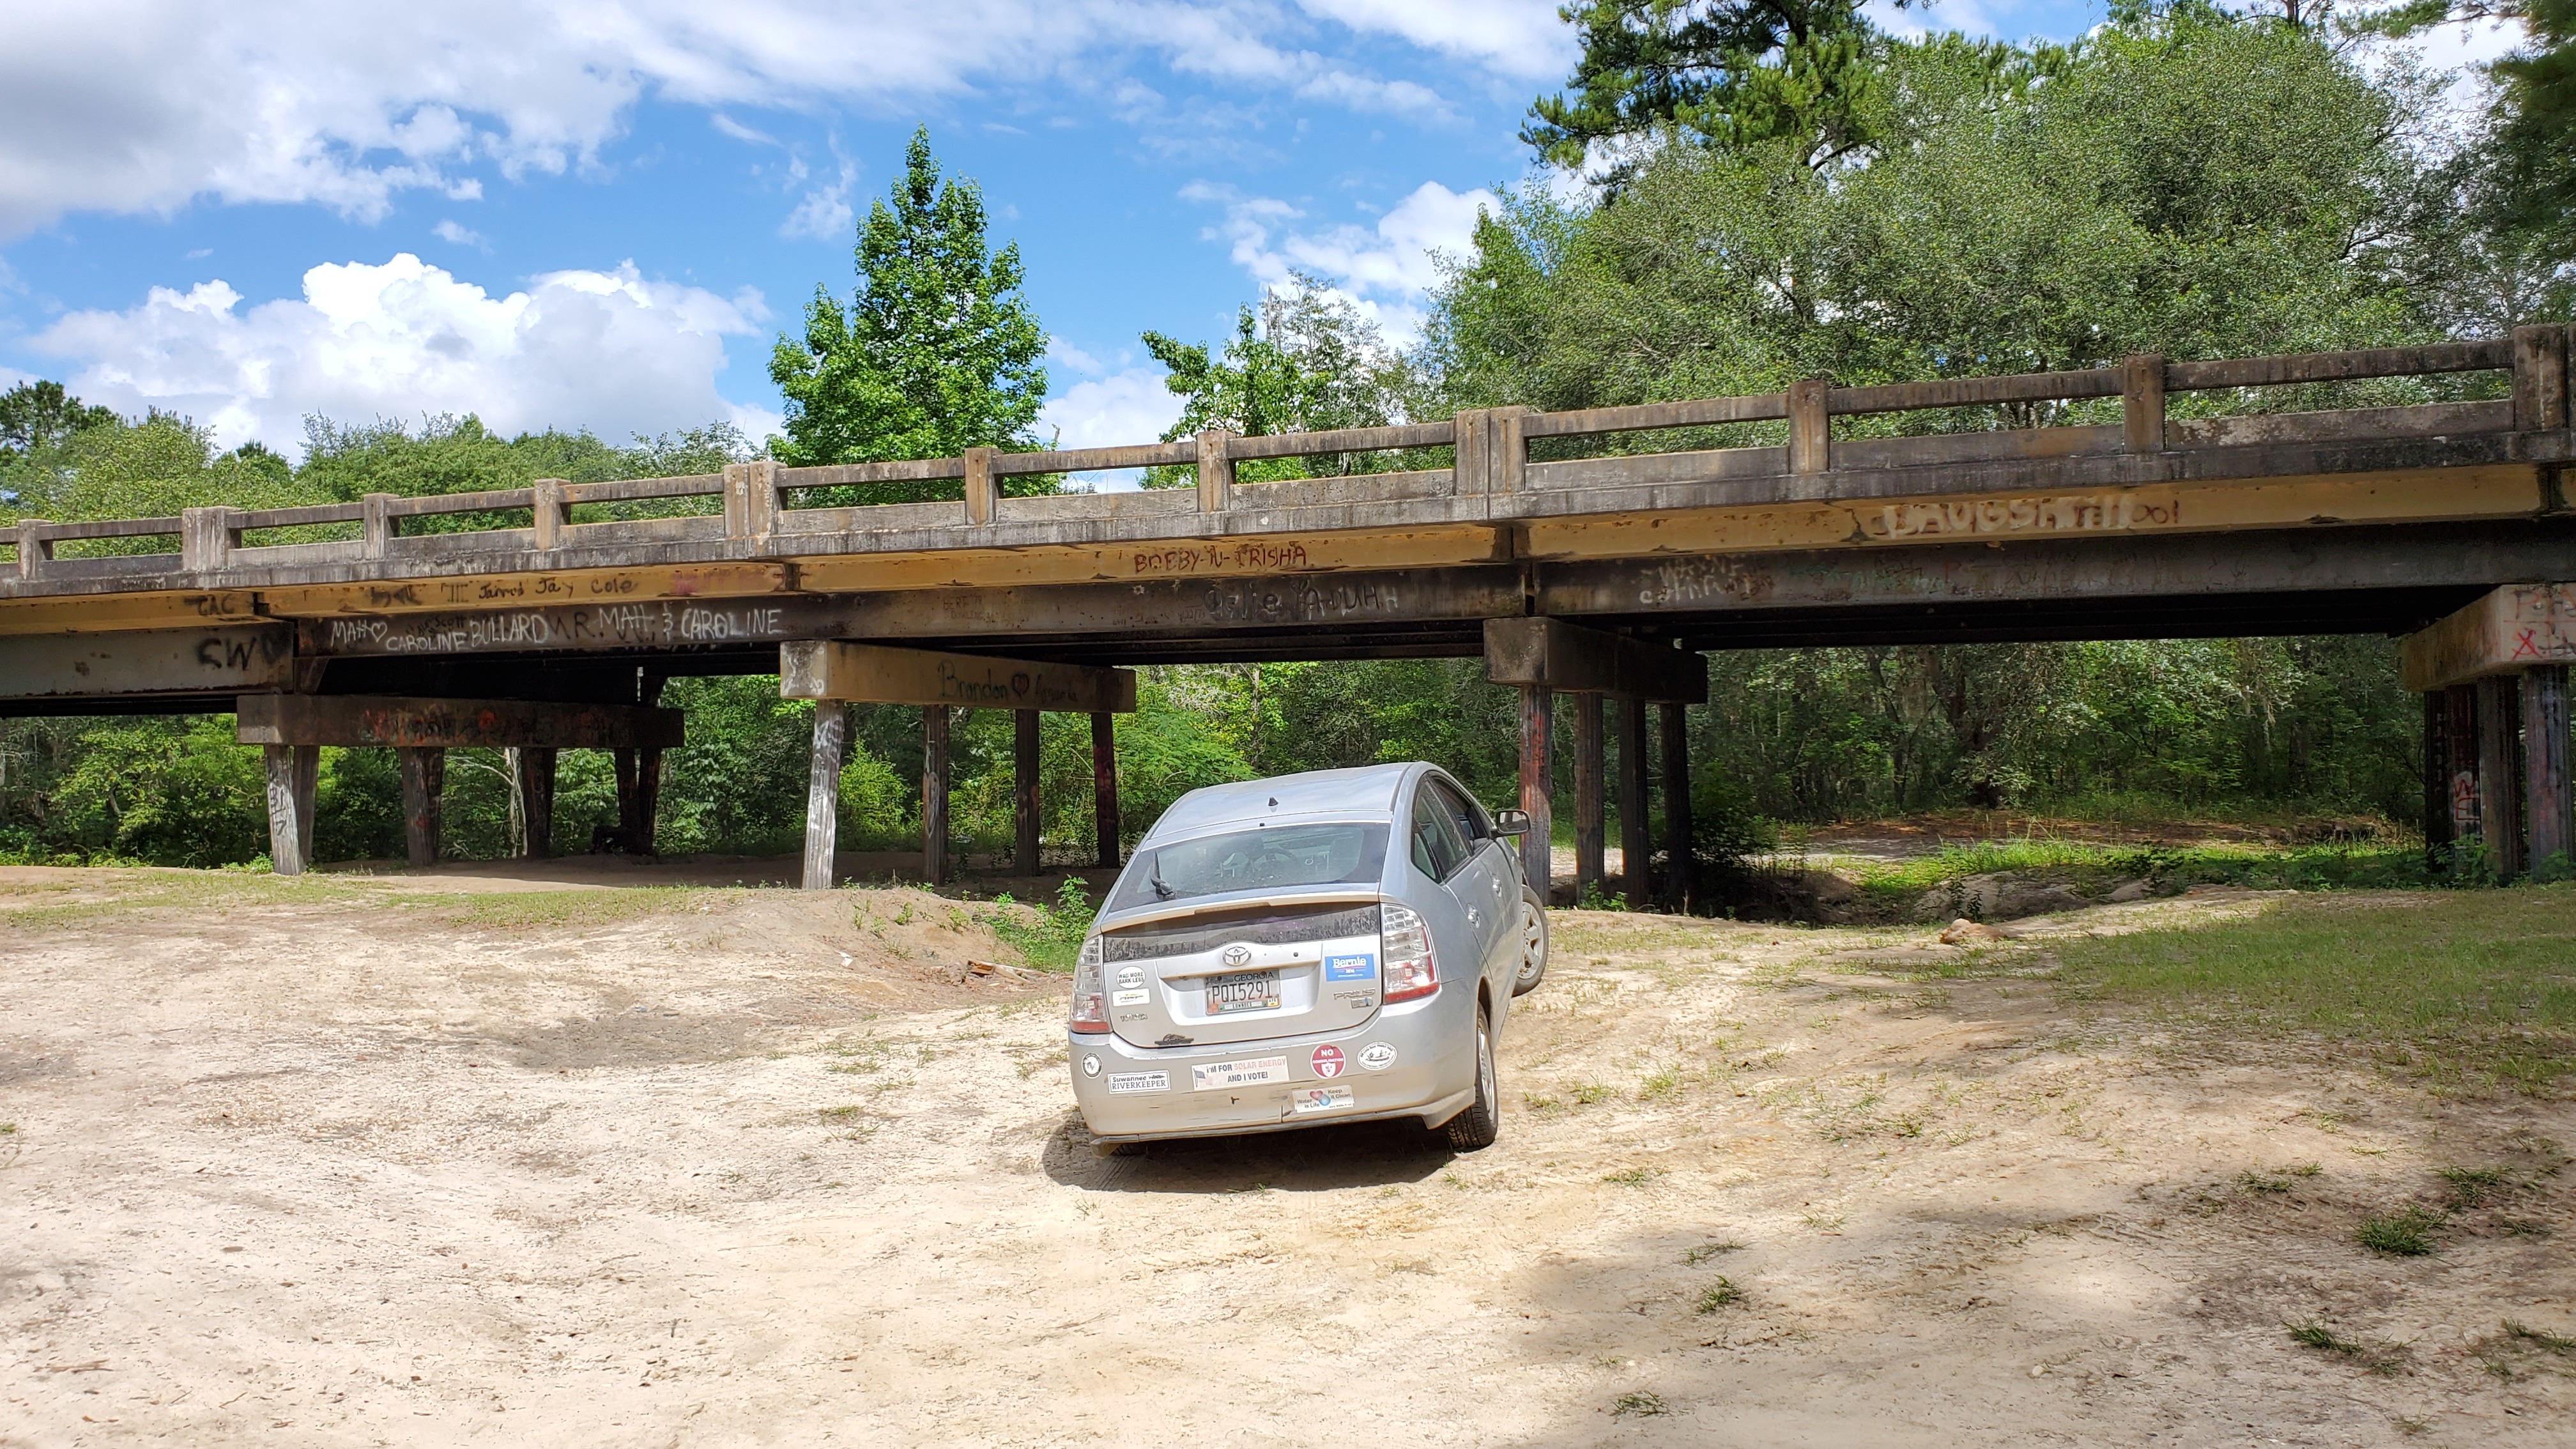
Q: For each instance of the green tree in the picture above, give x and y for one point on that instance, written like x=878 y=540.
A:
x=1807 y=73
x=936 y=353
x=1307 y=361
x=37 y=415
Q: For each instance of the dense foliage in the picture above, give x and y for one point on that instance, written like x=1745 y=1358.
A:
x=1783 y=191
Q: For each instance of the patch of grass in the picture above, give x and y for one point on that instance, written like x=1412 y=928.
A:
x=191 y=891
x=2086 y=866
x=1049 y=937
x=2281 y=1180
x=2472 y=1186
x=1693 y=1257
x=1659 y=1084
x=2404 y=1234
x=523 y=910
x=2557 y=1343
x=1587 y=1093
x=1721 y=1294
x=2462 y=986
x=2315 y=1334
x=1641 y=1404
x=1633 y=1177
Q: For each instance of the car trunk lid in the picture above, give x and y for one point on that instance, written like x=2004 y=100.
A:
x=1243 y=972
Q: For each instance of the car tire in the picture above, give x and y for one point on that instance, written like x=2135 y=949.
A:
x=1482 y=1121
x=1533 y=968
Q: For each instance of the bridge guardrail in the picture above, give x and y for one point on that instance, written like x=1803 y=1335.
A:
x=760 y=504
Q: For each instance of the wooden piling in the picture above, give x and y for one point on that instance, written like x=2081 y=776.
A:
x=537 y=798
x=1589 y=835
x=1636 y=833
x=934 y=793
x=424 y=781
x=294 y=771
x=639 y=798
x=1538 y=785
x=2546 y=801
x=2437 y=781
x=2500 y=771
x=2460 y=745
x=1678 y=883
x=1024 y=791
x=1104 y=789
x=823 y=794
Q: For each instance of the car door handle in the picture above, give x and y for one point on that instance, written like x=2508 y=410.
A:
x=1475 y=917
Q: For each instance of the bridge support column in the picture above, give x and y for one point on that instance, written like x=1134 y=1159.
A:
x=293 y=773
x=1636 y=831
x=2460 y=740
x=1024 y=791
x=424 y=781
x=934 y=793
x=1678 y=885
x=1589 y=834
x=1538 y=785
x=2437 y=781
x=536 y=765
x=2546 y=803
x=823 y=794
x=1104 y=790
x=639 y=799
x=2500 y=772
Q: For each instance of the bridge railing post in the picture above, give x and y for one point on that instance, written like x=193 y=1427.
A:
x=2142 y=401
x=751 y=499
x=34 y=549
x=2540 y=381
x=983 y=497
x=1467 y=474
x=205 y=538
x=550 y=514
x=1811 y=434
x=375 y=524
x=1216 y=471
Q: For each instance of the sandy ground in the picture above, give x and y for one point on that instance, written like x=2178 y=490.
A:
x=353 y=1163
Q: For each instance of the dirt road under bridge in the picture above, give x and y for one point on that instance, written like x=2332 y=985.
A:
x=354 y=1162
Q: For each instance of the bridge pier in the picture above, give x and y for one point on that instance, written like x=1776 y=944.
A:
x=834 y=671
x=1104 y=790
x=1636 y=831
x=2499 y=734
x=1544 y=657
x=1679 y=887
x=823 y=792
x=292 y=728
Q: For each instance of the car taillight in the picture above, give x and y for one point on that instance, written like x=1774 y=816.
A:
x=1406 y=943
x=1090 y=998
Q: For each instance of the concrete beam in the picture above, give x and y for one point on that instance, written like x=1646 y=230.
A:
x=2512 y=628
x=881 y=674
x=1570 y=659
x=346 y=720
x=153 y=661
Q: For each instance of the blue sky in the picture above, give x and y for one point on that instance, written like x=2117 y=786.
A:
x=602 y=214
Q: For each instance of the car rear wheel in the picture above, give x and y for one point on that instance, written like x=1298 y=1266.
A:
x=1482 y=1122
x=1533 y=944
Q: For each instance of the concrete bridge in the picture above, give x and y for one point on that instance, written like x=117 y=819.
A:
x=2148 y=499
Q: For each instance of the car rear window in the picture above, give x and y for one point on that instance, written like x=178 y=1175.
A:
x=1262 y=858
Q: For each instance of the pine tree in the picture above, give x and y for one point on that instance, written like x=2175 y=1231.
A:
x=936 y=353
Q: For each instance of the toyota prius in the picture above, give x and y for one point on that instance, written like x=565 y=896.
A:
x=1339 y=946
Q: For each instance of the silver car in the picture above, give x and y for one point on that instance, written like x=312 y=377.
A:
x=1340 y=946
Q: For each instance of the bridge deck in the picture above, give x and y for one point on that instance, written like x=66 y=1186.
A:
x=2161 y=523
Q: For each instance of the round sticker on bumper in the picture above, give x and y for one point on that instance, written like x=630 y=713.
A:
x=1377 y=1056
x=1327 y=1060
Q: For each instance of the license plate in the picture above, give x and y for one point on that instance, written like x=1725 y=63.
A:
x=1242 y=991
x=1320 y=1099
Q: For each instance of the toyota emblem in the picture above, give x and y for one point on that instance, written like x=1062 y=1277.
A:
x=1237 y=954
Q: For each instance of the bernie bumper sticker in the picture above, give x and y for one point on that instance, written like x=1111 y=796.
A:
x=1349 y=968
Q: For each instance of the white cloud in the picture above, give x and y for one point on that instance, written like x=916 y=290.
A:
x=1386 y=268
x=144 y=105
x=456 y=235
x=824 y=214
x=610 y=351
x=1059 y=350
x=1127 y=407
x=1520 y=38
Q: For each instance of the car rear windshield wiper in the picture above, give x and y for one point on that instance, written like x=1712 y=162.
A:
x=1161 y=891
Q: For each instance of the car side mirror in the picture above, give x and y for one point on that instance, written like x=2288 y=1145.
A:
x=1511 y=822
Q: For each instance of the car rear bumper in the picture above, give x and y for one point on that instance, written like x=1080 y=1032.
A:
x=1431 y=1077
